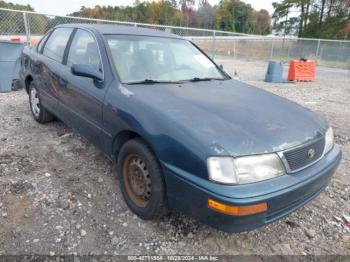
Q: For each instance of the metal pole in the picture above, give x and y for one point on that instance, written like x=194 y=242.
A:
x=234 y=48
x=214 y=47
x=272 y=49
x=26 y=26
x=233 y=57
x=318 y=49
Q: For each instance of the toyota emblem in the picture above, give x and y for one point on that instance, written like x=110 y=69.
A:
x=311 y=153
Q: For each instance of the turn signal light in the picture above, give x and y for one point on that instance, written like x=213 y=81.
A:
x=237 y=210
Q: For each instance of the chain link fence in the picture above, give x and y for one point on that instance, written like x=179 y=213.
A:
x=30 y=26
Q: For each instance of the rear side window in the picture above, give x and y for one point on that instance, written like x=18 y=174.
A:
x=56 y=44
x=84 y=50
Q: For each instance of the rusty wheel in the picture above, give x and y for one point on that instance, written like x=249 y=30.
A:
x=137 y=180
x=141 y=180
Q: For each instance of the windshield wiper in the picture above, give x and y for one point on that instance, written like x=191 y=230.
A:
x=198 y=79
x=151 y=81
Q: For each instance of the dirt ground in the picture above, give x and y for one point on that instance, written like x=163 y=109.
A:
x=59 y=194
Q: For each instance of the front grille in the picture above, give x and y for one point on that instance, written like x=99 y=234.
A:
x=305 y=155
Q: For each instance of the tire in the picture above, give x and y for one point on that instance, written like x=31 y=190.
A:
x=40 y=114
x=136 y=162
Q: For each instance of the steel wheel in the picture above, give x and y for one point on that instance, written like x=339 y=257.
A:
x=137 y=180
x=35 y=102
x=141 y=180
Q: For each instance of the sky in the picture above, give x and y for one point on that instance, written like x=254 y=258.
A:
x=63 y=7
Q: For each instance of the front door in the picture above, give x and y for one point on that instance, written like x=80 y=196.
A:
x=81 y=100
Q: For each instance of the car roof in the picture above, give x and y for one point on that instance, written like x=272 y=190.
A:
x=110 y=29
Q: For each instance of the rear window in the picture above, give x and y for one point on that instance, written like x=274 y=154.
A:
x=56 y=44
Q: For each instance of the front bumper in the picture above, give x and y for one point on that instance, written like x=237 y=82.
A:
x=189 y=194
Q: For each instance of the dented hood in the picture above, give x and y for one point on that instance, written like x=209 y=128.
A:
x=231 y=117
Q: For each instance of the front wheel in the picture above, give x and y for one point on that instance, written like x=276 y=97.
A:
x=141 y=180
x=39 y=113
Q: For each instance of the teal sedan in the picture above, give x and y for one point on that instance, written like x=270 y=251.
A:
x=184 y=135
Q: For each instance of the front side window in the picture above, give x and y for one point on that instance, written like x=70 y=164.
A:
x=56 y=44
x=84 y=50
x=139 y=58
x=42 y=42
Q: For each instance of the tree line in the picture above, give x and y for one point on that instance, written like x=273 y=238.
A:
x=313 y=18
x=303 y=18
x=228 y=15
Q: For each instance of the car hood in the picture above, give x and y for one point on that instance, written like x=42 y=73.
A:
x=231 y=117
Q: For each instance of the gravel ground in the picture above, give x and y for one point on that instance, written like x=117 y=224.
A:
x=59 y=194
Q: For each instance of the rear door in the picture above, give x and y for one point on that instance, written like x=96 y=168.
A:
x=48 y=66
x=81 y=99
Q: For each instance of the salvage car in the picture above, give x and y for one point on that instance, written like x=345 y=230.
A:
x=184 y=135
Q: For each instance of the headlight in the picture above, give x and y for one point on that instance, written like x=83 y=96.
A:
x=244 y=170
x=329 y=140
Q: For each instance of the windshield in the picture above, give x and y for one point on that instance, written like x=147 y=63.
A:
x=152 y=59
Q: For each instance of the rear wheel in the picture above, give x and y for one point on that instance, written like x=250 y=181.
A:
x=141 y=180
x=39 y=113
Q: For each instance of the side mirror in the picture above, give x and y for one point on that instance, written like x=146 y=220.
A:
x=221 y=67
x=86 y=71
